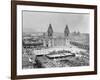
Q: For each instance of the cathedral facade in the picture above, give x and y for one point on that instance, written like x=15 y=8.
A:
x=50 y=40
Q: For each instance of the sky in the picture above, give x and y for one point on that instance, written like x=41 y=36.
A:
x=34 y=21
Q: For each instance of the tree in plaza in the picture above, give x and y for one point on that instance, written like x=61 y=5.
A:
x=66 y=31
x=50 y=31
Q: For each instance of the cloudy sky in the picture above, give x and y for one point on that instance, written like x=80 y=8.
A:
x=39 y=21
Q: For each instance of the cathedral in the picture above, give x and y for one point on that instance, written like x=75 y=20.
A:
x=49 y=40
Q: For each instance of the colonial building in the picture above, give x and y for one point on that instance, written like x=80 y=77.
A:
x=49 y=40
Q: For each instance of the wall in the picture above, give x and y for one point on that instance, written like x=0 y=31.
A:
x=5 y=38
